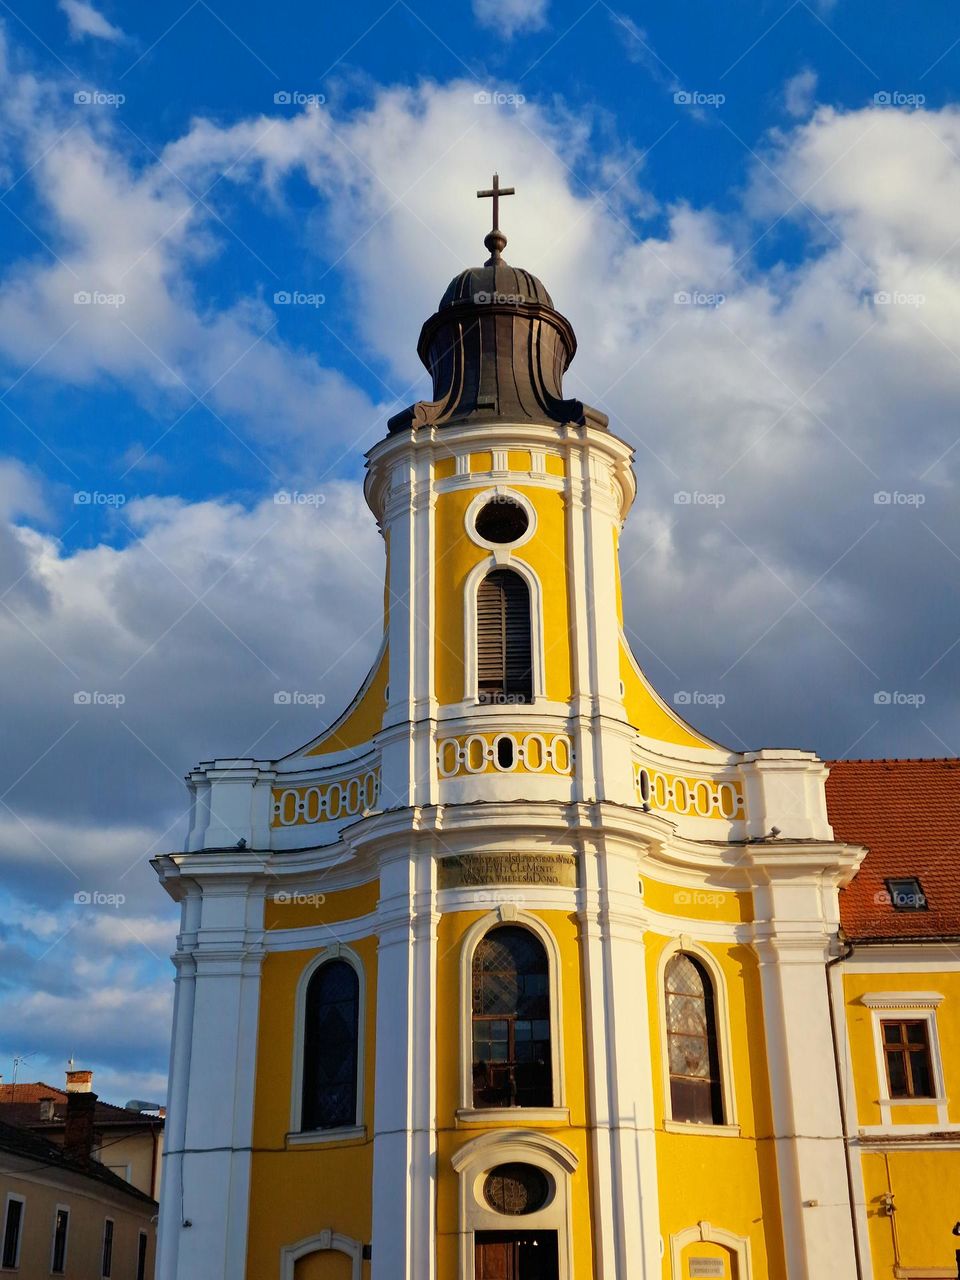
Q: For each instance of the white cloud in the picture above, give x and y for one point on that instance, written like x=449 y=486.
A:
x=510 y=17
x=799 y=93
x=133 y=234
x=794 y=400
x=803 y=383
x=85 y=20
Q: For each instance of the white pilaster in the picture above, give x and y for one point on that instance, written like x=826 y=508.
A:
x=793 y=946
x=619 y=1066
x=404 y=1144
x=169 y=1226
x=211 y=1121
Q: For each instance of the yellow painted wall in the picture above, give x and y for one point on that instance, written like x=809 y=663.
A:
x=645 y=712
x=297 y=1191
x=546 y=555
x=453 y=1135
x=730 y=1182
x=863 y=1051
x=697 y=904
x=925 y=1186
x=322 y=908
x=327 y=1265
x=363 y=718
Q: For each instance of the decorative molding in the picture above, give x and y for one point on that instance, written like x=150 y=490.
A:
x=705 y=1232
x=499 y=493
x=902 y=999
x=324 y=1241
x=529 y=752
x=346 y=797
x=689 y=795
x=553 y=1157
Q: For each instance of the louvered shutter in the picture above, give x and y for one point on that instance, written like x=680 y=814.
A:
x=504 y=664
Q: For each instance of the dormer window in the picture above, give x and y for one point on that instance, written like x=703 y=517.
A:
x=906 y=894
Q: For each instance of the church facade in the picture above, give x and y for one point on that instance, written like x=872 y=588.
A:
x=511 y=973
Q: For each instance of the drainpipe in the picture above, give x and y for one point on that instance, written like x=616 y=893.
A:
x=846 y=951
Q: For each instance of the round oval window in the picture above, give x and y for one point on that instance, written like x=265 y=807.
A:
x=516 y=1188
x=502 y=520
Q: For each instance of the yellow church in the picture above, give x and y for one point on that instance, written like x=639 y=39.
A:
x=511 y=973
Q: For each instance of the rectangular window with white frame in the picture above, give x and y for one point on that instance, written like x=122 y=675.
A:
x=58 y=1248
x=907 y=1048
x=13 y=1215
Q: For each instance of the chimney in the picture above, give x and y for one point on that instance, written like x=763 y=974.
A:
x=79 y=1081
x=78 y=1132
x=46 y=1108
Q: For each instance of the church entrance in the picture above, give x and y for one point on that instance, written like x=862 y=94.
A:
x=516 y=1255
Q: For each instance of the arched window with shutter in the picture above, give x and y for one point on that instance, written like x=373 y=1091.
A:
x=696 y=1090
x=331 y=1047
x=504 y=652
x=512 y=1064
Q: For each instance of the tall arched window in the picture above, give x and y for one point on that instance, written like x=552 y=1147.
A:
x=504 y=656
x=696 y=1093
x=330 y=1047
x=511 y=1020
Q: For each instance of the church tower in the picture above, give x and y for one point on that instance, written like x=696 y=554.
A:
x=510 y=972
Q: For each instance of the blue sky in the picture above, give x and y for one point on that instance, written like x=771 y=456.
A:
x=792 y=168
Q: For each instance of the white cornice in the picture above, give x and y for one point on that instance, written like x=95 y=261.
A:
x=902 y=999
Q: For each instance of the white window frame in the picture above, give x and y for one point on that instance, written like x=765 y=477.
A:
x=60 y=1208
x=143 y=1235
x=298 y=1135
x=22 y=1200
x=499 y=492
x=502 y=558
x=104 y=1275
x=472 y=1163
x=509 y=913
x=704 y=1232
x=721 y=1009
x=915 y=1006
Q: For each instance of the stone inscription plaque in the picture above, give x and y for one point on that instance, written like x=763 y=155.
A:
x=707 y=1267
x=507 y=868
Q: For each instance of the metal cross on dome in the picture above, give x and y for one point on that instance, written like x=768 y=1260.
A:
x=494 y=193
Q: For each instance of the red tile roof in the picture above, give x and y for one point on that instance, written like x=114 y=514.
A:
x=907 y=813
x=20 y=1105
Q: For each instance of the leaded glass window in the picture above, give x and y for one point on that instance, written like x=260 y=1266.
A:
x=695 y=1090
x=511 y=1020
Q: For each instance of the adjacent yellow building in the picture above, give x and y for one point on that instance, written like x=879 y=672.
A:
x=511 y=974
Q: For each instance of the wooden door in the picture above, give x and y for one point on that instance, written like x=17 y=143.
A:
x=496 y=1259
x=516 y=1255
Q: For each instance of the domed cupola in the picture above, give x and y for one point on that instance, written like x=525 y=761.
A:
x=496 y=348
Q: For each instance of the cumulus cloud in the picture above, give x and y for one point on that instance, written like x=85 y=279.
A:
x=85 y=20
x=117 y=301
x=799 y=93
x=509 y=17
x=207 y=599
x=806 y=377
x=792 y=489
